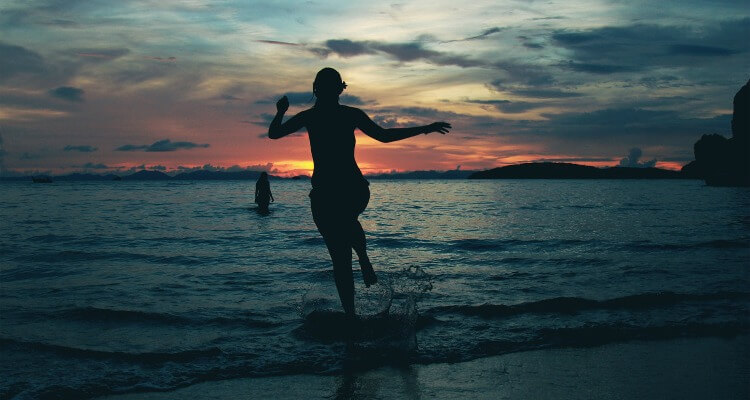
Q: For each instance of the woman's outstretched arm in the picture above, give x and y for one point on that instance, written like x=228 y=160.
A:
x=373 y=130
x=277 y=129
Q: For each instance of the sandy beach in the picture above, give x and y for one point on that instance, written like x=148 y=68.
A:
x=694 y=368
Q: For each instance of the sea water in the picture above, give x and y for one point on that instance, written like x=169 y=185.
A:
x=113 y=287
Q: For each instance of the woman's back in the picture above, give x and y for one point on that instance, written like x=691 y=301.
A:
x=331 y=133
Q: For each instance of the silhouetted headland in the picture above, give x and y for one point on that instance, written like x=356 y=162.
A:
x=550 y=170
x=721 y=161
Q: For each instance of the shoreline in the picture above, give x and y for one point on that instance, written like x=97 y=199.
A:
x=685 y=368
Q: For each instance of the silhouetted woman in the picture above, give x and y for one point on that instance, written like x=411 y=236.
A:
x=340 y=192
x=263 y=195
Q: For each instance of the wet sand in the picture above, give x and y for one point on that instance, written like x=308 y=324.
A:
x=695 y=368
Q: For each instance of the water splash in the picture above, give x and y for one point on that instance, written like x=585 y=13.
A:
x=387 y=312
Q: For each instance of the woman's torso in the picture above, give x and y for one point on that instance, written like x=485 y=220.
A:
x=331 y=134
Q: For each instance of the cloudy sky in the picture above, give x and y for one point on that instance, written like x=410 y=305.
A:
x=102 y=86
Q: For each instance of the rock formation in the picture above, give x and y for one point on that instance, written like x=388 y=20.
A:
x=721 y=161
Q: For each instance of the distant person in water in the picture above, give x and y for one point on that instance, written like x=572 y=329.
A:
x=263 y=195
x=339 y=191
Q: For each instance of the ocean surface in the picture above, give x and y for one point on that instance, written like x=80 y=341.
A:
x=116 y=287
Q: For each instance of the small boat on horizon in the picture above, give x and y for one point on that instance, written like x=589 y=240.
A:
x=41 y=179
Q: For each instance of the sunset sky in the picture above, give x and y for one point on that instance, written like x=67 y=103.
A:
x=112 y=86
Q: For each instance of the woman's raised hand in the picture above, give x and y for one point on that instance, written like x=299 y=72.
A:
x=442 y=127
x=282 y=105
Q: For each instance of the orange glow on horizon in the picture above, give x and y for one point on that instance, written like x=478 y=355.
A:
x=290 y=168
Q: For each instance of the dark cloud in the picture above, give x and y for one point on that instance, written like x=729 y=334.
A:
x=264 y=121
x=544 y=93
x=485 y=33
x=575 y=38
x=68 y=93
x=507 y=106
x=615 y=118
x=659 y=81
x=385 y=122
x=593 y=134
x=482 y=35
x=389 y=118
x=631 y=48
x=170 y=59
x=404 y=52
x=229 y=97
x=408 y=51
x=516 y=73
x=15 y=60
x=295 y=98
x=522 y=76
x=82 y=148
x=352 y=100
x=161 y=146
x=348 y=48
x=632 y=160
x=320 y=51
x=697 y=50
x=609 y=126
x=420 y=111
x=599 y=68
x=277 y=42
x=533 y=46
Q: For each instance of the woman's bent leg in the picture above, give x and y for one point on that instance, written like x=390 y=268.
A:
x=359 y=243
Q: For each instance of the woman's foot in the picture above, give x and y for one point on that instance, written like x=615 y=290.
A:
x=368 y=274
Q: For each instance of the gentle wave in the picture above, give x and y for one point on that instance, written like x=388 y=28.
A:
x=570 y=305
x=506 y=244
x=82 y=256
x=94 y=314
x=498 y=244
x=711 y=244
x=145 y=358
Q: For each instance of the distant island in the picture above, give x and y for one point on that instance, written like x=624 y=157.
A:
x=550 y=170
x=544 y=170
